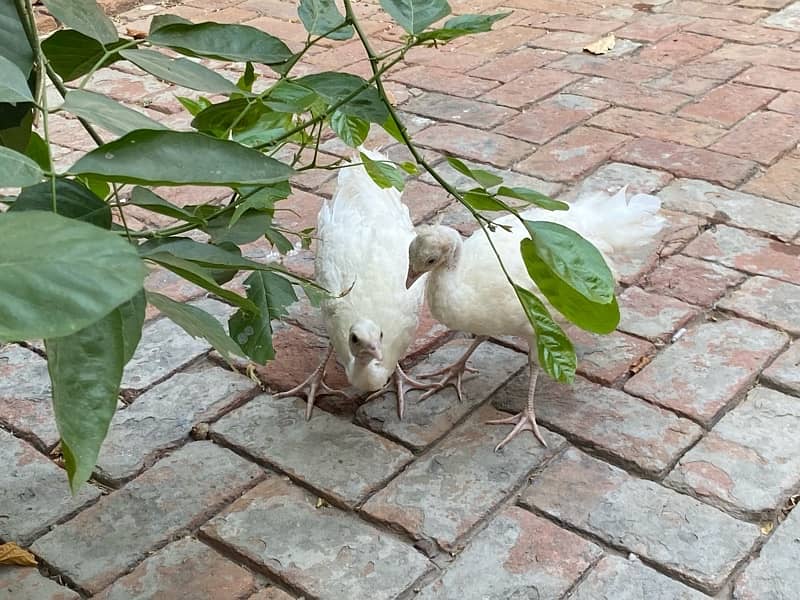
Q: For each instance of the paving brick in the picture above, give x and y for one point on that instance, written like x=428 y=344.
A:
x=442 y=495
x=609 y=421
x=781 y=181
x=784 y=373
x=771 y=77
x=473 y=144
x=788 y=102
x=696 y=8
x=564 y=7
x=443 y=80
x=631 y=95
x=304 y=211
x=651 y=316
x=271 y=593
x=691 y=280
x=510 y=178
x=747 y=34
x=594 y=25
x=534 y=85
x=788 y=18
x=520 y=62
x=766 y=55
x=498 y=40
x=653 y=27
x=773 y=573
x=768 y=301
x=685 y=161
x=566 y=41
x=551 y=117
x=184 y=569
x=713 y=67
x=750 y=461
x=728 y=103
x=734 y=208
x=611 y=177
x=606 y=358
x=601 y=66
x=707 y=368
x=572 y=154
x=34 y=492
x=762 y=137
x=425 y=422
x=775 y=4
x=25 y=395
x=615 y=577
x=517 y=553
x=443 y=57
x=682 y=82
x=642 y=517
x=179 y=492
x=678 y=48
x=277 y=526
x=350 y=462
x=653 y=125
x=163 y=417
x=747 y=252
x=24 y=583
x=459 y=110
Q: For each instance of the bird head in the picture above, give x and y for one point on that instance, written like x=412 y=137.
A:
x=366 y=340
x=433 y=246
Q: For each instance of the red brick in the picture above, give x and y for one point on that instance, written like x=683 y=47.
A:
x=465 y=111
x=563 y=7
x=498 y=40
x=712 y=67
x=601 y=66
x=443 y=80
x=771 y=77
x=471 y=143
x=685 y=161
x=651 y=316
x=444 y=57
x=571 y=155
x=628 y=94
x=678 y=48
x=781 y=181
x=523 y=90
x=765 y=55
x=299 y=211
x=653 y=125
x=695 y=8
x=551 y=117
x=650 y=28
x=764 y=3
x=606 y=358
x=25 y=583
x=728 y=103
x=788 y=102
x=592 y=25
x=746 y=34
x=567 y=41
x=762 y=137
x=424 y=200
x=766 y=300
x=682 y=83
x=692 y=280
x=510 y=66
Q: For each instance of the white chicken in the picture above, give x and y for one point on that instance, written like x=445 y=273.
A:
x=362 y=259
x=467 y=290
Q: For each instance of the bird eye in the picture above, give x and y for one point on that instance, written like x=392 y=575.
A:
x=381 y=335
x=430 y=261
x=354 y=338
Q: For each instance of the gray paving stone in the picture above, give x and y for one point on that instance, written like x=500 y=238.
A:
x=178 y=492
x=326 y=553
x=774 y=574
x=34 y=492
x=184 y=569
x=25 y=395
x=681 y=534
x=787 y=18
x=750 y=462
x=425 y=422
x=25 y=583
x=734 y=208
x=606 y=358
x=271 y=593
x=707 y=367
x=163 y=416
x=519 y=555
x=610 y=178
x=334 y=456
x=607 y=420
x=692 y=280
x=784 y=373
x=767 y=300
x=651 y=316
x=447 y=491
x=615 y=578
x=459 y=110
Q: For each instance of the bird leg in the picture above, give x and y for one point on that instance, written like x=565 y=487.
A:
x=400 y=378
x=453 y=371
x=525 y=420
x=314 y=382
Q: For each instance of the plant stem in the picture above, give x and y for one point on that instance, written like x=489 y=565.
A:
x=102 y=59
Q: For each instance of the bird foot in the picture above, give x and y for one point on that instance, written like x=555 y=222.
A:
x=402 y=383
x=453 y=375
x=523 y=421
x=314 y=386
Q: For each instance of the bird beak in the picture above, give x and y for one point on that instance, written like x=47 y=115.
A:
x=411 y=277
x=375 y=352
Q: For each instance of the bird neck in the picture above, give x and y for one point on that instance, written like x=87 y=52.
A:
x=367 y=375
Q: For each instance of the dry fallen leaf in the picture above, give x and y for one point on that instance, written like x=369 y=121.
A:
x=136 y=34
x=766 y=527
x=11 y=554
x=640 y=364
x=603 y=45
x=322 y=503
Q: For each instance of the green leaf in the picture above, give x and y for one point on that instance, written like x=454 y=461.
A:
x=37 y=150
x=554 y=349
x=321 y=16
x=13 y=83
x=392 y=127
x=464 y=25
x=205 y=255
x=16 y=120
x=98 y=187
x=73 y=200
x=409 y=168
x=248 y=227
x=532 y=197
x=107 y=113
x=132 y=313
x=485 y=178
x=384 y=174
x=160 y=21
x=59 y=275
x=334 y=87
x=192 y=106
x=238 y=43
x=177 y=158
x=262 y=199
x=181 y=71
x=269 y=126
x=253 y=333
x=248 y=78
x=573 y=259
x=14 y=43
x=588 y=315
x=17 y=170
x=352 y=130
x=16 y=125
x=72 y=54
x=416 y=15
x=84 y=16
x=153 y=202
x=197 y=323
x=279 y=241
x=218 y=119
x=290 y=97
x=480 y=199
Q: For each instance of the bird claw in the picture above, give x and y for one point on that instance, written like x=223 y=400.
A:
x=310 y=387
x=523 y=421
x=453 y=373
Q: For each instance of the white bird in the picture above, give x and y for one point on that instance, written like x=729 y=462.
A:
x=467 y=290
x=362 y=258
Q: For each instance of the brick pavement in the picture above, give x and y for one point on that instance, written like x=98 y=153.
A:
x=672 y=463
